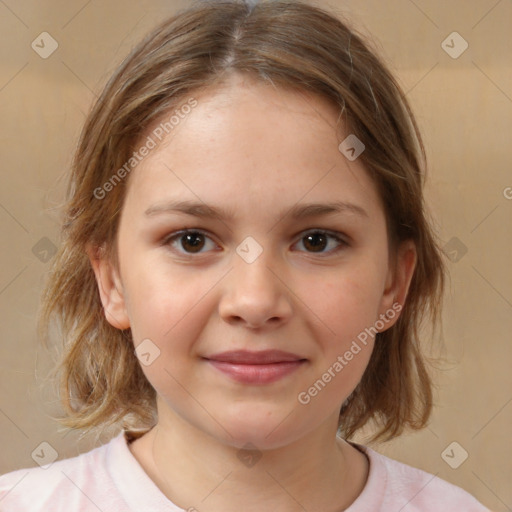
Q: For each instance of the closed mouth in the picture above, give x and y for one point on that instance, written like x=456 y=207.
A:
x=255 y=358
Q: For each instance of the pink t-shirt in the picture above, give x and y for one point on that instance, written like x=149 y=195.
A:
x=110 y=479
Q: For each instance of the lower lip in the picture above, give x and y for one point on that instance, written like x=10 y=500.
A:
x=257 y=373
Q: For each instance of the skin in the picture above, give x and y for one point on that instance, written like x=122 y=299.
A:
x=257 y=150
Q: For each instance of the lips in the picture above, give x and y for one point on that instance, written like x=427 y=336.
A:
x=261 y=357
x=263 y=367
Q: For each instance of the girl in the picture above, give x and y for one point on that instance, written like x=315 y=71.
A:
x=245 y=265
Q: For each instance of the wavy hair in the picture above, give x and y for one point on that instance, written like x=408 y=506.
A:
x=288 y=44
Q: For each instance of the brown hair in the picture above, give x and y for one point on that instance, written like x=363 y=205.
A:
x=290 y=44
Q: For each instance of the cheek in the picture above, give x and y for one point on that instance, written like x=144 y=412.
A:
x=348 y=302
x=348 y=306
x=160 y=302
x=161 y=308
x=170 y=314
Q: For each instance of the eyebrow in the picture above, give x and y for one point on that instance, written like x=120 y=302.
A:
x=297 y=212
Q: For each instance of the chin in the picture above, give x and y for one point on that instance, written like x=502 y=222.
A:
x=264 y=429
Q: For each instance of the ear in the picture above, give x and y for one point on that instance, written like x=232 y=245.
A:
x=397 y=283
x=110 y=288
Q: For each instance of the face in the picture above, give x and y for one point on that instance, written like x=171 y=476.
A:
x=237 y=319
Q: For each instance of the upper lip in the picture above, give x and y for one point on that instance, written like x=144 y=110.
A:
x=260 y=357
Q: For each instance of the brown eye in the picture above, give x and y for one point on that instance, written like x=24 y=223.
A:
x=195 y=241
x=318 y=241
x=188 y=241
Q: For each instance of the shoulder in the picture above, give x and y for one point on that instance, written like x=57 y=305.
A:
x=412 y=489
x=78 y=483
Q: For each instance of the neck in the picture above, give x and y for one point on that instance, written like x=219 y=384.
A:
x=318 y=472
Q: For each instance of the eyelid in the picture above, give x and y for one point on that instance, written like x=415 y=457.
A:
x=340 y=237
x=176 y=235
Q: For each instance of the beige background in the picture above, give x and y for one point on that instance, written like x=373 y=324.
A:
x=464 y=107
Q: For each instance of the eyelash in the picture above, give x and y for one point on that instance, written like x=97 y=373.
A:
x=337 y=236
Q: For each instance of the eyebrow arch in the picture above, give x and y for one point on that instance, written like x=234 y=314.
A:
x=297 y=212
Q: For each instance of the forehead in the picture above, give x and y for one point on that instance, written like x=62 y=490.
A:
x=249 y=145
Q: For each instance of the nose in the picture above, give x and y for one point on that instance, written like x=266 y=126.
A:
x=256 y=295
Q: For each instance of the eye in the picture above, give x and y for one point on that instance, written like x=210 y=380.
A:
x=191 y=241
x=318 y=240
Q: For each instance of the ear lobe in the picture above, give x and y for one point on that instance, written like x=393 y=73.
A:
x=110 y=288
x=398 y=282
